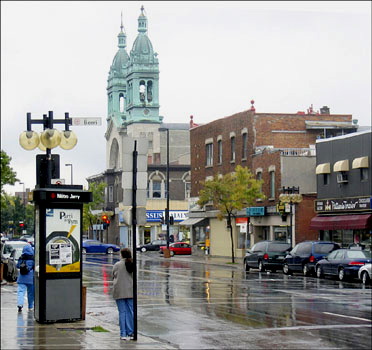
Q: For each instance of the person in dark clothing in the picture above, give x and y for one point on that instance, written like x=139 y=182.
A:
x=26 y=282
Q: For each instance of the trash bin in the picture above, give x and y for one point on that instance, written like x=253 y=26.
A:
x=166 y=252
x=83 y=302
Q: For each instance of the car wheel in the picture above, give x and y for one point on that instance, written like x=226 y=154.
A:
x=171 y=253
x=261 y=267
x=143 y=249
x=341 y=274
x=110 y=251
x=305 y=270
x=246 y=267
x=319 y=272
x=286 y=269
x=365 y=277
x=84 y=251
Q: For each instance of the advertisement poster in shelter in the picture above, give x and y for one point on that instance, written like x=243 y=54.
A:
x=62 y=240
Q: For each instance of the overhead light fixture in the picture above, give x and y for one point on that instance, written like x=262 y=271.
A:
x=68 y=140
x=50 y=138
x=29 y=140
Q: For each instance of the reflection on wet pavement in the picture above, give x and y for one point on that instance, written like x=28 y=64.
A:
x=194 y=305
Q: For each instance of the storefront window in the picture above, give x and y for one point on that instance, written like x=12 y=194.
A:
x=280 y=234
x=241 y=238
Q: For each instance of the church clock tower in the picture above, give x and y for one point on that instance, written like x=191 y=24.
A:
x=142 y=79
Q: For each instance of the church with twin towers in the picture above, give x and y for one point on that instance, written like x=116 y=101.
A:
x=133 y=112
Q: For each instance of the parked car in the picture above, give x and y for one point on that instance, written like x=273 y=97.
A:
x=153 y=246
x=28 y=238
x=304 y=256
x=365 y=273
x=94 y=246
x=266 y=255
x=9 y=246
x=10 y=253
x=344 y=263
x=180 y=248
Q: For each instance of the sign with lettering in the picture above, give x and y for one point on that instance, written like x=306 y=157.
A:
x=256 y=211
x=343 y=204
x=86 y=121
x=156 y=215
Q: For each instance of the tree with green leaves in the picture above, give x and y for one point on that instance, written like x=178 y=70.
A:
x=98 y=194
x=8 y=175
x=229 y=194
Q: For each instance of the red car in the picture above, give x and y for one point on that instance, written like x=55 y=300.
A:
x=180 y=248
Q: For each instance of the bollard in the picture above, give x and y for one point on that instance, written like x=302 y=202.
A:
x=83 y=302
x=166 y=253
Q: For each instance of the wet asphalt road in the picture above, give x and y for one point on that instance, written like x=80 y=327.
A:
x=194 y=305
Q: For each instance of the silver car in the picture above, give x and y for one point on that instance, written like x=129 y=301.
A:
x=364 y=273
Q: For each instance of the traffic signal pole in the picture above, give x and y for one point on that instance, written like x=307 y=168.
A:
x=134 y=232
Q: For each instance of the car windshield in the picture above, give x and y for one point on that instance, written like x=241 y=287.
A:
x=323 y=248
x=358 y=254
x=278 y=247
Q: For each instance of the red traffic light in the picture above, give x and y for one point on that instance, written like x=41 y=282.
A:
x=107 y=222
x=21 y=224
x=104 y=217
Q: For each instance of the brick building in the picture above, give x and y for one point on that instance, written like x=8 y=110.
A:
x=278 y=148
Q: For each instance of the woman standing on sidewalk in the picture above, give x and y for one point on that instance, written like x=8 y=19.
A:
x=122 y=274
x=25 y=279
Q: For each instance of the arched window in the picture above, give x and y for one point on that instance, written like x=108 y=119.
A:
x=142 y=90
x=121 y=103
x=156 y=185
x=114 y=155
x=149 y=91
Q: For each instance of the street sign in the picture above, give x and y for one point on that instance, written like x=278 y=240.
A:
x=57 y=181
x=87 y=121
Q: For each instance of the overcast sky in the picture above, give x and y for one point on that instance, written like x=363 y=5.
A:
x=214 y=58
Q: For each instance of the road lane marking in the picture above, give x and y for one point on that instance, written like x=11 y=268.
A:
x=356 y=318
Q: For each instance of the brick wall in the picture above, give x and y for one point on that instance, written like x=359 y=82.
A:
x=278 y=130
x=305 y=212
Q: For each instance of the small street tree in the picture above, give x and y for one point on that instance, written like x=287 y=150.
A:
x=8 y=176
x=98 y=193
x=229 y=194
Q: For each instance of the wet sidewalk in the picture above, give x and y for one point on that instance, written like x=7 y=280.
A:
x=19 y=330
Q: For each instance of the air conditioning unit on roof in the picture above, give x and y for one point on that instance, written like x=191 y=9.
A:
x=342 y=177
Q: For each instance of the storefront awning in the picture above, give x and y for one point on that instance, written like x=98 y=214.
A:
x=361 y=162
x=191 y=221
x=339 y=222
x=324 y=168
x=341 y=165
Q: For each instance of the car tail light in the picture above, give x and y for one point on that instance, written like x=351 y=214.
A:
x=312 y=259
x=266 y=257
x=356 y=263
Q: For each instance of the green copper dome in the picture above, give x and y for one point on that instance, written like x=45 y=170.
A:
x=142 y=50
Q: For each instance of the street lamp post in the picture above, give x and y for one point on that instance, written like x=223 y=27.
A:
x=69 y=164
x=167 y=209
x=291 y=195
x=24 y=202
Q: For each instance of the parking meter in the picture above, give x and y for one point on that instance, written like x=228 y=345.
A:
x=58 y=256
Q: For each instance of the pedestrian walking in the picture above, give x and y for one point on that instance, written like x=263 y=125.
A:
x=122 y=274
x=25 y=280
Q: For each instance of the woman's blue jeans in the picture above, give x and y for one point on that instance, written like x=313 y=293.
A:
x=30 y=294
x=126 y=321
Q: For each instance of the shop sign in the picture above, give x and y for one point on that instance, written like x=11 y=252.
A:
x=241 y=221
x=256 y=211
x=156 y=215
x=343 y=204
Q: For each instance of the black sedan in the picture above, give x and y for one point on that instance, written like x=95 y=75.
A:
x=344 y=263
x=266 y=255
x=153 y=246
